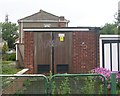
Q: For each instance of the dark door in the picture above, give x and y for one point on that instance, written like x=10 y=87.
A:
x=62 y=52
x=42 y=52
x=52 y=51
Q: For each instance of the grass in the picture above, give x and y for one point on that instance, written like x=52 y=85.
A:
x=7 y=62
x=8 y=67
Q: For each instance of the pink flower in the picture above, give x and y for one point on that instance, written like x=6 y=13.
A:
x=108 y=86
x=102 y=71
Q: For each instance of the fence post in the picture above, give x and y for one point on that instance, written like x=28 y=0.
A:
x=113 y=83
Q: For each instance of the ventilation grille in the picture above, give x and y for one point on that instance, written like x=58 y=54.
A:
x=43 y=68
x=62 y=68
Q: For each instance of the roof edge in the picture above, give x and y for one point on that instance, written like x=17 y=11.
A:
x=62 y=29
x=26 y=21
x=22 y=19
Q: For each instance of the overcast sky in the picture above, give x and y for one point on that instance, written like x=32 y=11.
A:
x=79 y=12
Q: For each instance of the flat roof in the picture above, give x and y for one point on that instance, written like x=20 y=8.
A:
x=109 y=36
x=62 y=29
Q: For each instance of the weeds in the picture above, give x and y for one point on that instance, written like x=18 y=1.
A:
x=64 y=87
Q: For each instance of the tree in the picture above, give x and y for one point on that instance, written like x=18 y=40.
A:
x=9 y=33
x=109 y=28
x=5 y=48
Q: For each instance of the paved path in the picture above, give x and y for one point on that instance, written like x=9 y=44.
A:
x=35 y=88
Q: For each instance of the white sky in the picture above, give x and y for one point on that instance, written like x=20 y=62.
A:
x=79 y=12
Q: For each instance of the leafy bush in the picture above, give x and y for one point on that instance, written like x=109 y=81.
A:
x=5 y=57
x=89 y=86
x=12 y=57
x=5 y=48
x=107 y=73
x=63 y=88
x=102 y=71
x=7 y=69
x=9 y=57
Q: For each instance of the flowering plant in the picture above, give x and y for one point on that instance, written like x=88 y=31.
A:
x=102 y=71
x=118 y=75
x=106 y=73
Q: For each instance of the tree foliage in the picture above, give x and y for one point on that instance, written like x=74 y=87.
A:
x=109 y=28
x=9 y=33
x=5 y=48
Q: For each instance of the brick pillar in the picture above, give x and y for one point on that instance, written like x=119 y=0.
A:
x=28 y=51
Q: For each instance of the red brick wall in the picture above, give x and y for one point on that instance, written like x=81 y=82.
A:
x=84 y=51
x=28 y=51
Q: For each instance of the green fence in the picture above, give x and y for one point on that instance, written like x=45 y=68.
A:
x=56 y=84
x=24 y=84
x=78 y=84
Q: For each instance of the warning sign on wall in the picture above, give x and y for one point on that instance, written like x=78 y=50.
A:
x=61 y=37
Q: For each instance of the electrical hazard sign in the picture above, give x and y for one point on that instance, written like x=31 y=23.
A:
x=61 y=37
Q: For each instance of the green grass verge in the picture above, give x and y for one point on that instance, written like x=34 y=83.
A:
x=9 y=70
x=8 y=67
x=6 y=62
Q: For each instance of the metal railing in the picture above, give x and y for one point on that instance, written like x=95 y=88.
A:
x=80 y=75
x=13 y=83
x=47 y=83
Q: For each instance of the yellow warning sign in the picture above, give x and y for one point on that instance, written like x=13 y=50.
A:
x=61 y=38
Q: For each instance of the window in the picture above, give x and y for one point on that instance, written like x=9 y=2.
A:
x=47 y=25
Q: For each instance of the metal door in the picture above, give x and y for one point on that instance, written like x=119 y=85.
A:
x=42 y=52
x=52 y=52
